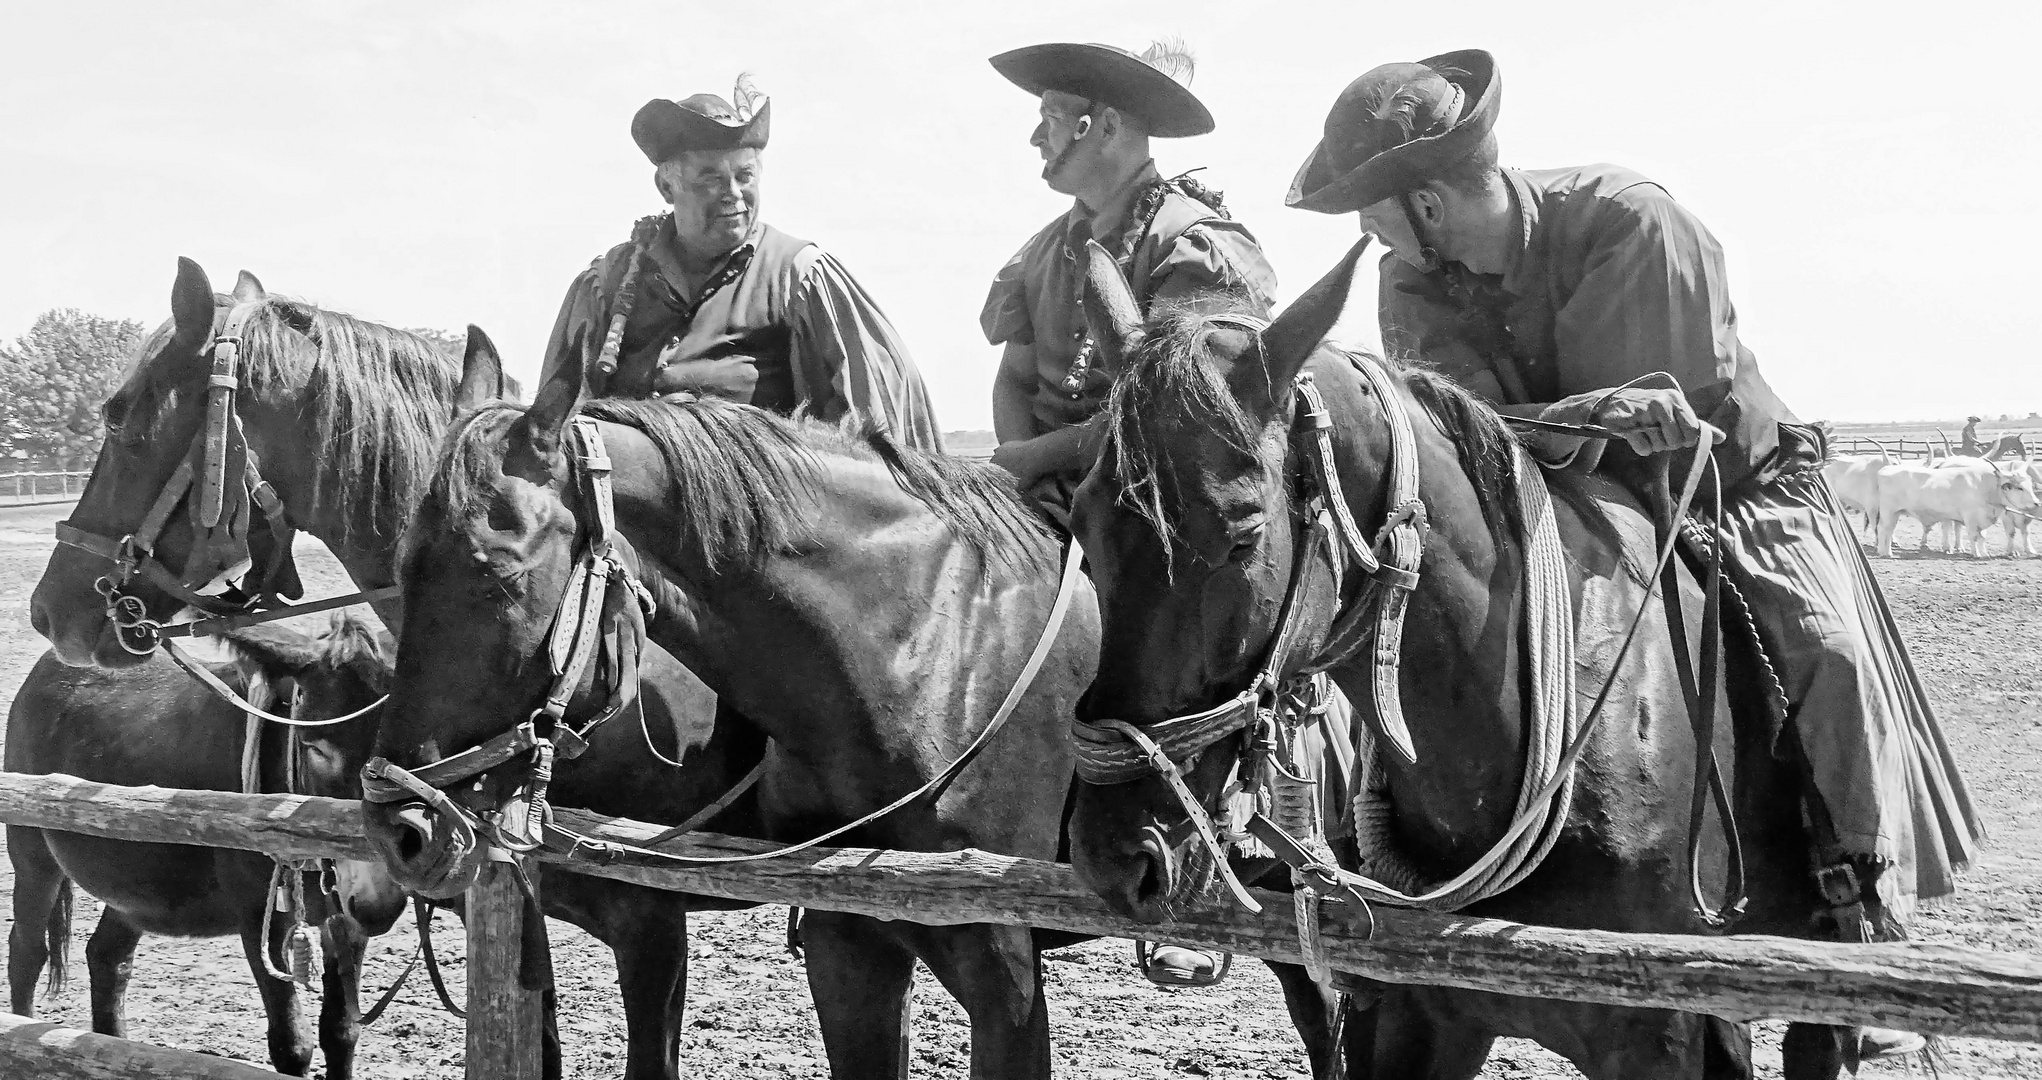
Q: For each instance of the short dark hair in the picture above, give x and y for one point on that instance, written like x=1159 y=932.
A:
x=1474 y=174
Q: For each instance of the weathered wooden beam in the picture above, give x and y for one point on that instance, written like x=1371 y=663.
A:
x=1936 y=989
x=40 y=1049
x=503 y=1017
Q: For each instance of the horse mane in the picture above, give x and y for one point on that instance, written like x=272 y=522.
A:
x=747 y=483
x=380 y=403
x=1171 y=380
x=1174 y=378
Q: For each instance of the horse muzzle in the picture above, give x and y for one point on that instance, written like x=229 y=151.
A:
x=427 y=852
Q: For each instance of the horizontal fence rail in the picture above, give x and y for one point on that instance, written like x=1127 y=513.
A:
x=1935 y=989
x=44 y=1051
x=26 y=486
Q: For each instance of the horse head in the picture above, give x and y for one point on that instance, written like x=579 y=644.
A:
x=244 y=417
x=486 y=565
x=152 y=423
x=1189 y=524
x=337 y=673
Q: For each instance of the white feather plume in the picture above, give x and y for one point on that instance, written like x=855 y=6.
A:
x=1172 y=57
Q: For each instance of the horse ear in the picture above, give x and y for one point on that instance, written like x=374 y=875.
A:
x=1111 y=313
x=557 y=401
x=247 y=289
x=1295 y=335
x=481 y=374
x=279 y=652
x=191 y=305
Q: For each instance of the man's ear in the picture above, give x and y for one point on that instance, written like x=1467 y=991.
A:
x=1431 y=204
x=659 y=185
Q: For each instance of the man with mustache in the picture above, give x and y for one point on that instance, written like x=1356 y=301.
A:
x=1560 y=294
x=1174 y=239
x=711 y=300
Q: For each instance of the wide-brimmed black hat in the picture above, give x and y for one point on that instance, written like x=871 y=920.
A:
x=1397 y=127
x=665 y=129
x=1115 y=77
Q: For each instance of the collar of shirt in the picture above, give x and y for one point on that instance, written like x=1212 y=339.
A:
x=666 y=254
x=1079 y=223
x=1518 y=278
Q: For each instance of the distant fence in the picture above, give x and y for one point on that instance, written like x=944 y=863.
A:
x=35 y=486
x=1901 y=446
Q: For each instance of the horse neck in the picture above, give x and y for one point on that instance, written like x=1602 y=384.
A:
x=1459 y=665
x=297 y=468
x=831 y=649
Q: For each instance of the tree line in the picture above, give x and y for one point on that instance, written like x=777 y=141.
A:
x=54 y=378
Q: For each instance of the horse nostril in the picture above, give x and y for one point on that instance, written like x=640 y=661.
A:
x=410 y=843
x=38 y=618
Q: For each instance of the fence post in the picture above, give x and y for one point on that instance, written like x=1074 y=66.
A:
x=503 y=1017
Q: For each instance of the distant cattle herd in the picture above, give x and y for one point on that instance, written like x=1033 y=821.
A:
x=1956 y=497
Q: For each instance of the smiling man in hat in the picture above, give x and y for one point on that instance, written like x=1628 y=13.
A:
x=1174 y=239
x=1550 y=293
x=1100 y=106
x=709 y=299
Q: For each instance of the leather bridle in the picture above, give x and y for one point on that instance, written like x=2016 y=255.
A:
x=1117 y=751
x=601 y=620
x=220 y=478
x=1113 y=751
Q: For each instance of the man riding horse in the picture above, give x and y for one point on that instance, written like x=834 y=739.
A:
x=1173 y=238
x=711 y=300
x=1556 y=294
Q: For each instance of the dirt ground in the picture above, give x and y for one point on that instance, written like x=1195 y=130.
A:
x=1972 y=623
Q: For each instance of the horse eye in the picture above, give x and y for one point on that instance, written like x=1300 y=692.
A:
x=113 y=414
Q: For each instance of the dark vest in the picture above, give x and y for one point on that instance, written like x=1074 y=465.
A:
x=747 y=311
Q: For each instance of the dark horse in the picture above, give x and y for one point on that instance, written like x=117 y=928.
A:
x=346 y=417
x=153 y=724
x=1190 y=521
x=866 y=605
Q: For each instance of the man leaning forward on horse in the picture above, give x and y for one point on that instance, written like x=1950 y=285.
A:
x=710 y=300
x=1551 y=293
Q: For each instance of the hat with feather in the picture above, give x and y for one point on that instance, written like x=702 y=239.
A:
x=1149 y=86
x=665 y=129
x=1396 y=128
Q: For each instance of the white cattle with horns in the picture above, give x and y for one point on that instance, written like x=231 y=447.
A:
x=1970 y=493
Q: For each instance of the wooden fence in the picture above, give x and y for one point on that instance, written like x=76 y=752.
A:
x=34 y=486
x=1935 y=989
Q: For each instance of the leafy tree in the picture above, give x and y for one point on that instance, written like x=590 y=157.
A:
x=54 y=378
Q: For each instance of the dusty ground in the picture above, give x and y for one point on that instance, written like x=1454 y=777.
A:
x=1972 y=624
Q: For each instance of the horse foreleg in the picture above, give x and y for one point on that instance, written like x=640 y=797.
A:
x=1311 y=1012
x=290 y=1045
x=1813 y=1051
x=42 y=918
x=859 y=977
x=1409 y=1041
x=652 y=972
x=109 y=960
x=647 y=932
x=996 y=974
x=344 y=943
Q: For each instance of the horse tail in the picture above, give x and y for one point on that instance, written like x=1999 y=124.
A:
x=57 y=933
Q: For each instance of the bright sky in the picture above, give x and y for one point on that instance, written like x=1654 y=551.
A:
x=1870 y=172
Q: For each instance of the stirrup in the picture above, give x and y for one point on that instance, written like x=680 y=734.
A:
x=1145 y=954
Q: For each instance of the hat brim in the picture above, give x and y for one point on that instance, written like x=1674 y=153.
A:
x=1110 y=77
x=666 y=129
x=1319 y=186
